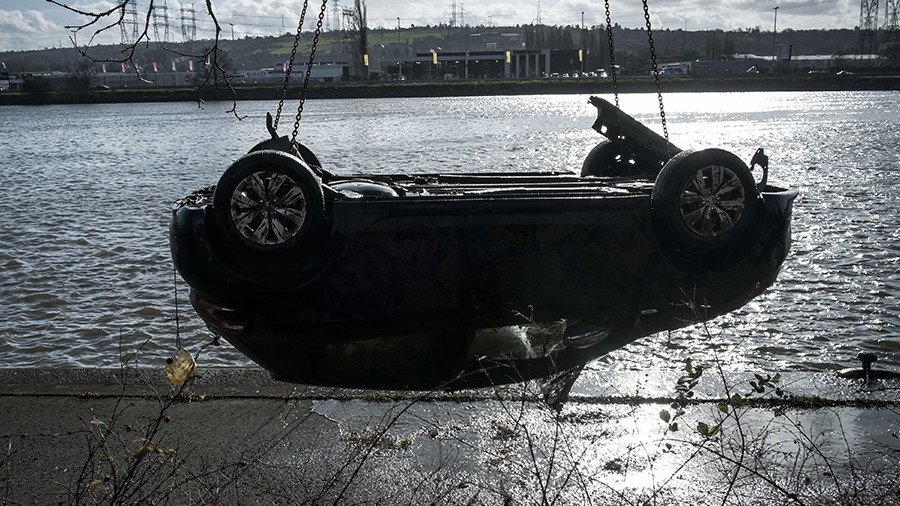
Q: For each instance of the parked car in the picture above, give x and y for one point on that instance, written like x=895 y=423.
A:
x=465 y=280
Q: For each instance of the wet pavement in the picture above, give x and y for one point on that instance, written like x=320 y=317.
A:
x=235 y=435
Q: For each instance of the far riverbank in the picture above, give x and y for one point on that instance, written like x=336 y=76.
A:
x=395 y=89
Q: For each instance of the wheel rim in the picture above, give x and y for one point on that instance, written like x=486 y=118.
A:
x=268 y=208
x=712 y=201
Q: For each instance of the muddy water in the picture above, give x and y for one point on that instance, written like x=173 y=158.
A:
x=85 y=273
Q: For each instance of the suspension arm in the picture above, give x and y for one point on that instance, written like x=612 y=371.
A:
x=633 y=136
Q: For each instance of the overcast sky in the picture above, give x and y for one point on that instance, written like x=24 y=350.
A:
x=34 y=24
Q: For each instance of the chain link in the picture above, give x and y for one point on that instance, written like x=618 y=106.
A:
x=309 y=66
x=287 y=75
x=177 y=317
x=612 y=54
x=662 y=110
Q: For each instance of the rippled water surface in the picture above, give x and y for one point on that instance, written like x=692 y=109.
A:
x=85 y=272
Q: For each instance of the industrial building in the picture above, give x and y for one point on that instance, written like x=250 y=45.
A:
x=498 y=64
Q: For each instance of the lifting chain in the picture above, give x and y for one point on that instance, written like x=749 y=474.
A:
x=177 y=316
x=287 y=75
x=309 y=66
x=662 y=111
x=612 y=54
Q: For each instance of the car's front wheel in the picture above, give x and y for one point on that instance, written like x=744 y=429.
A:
x=609 y=159
x=268 y=203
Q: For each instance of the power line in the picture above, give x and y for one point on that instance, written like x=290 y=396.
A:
x=188 y=23
x=891 y=22
x=134 y=22
x=336 y=16
x=129 y=20
x=841 y=15
x=193 y=14
x=868 y=24
x=161 y=12
x=165 y=15
x=155 y=24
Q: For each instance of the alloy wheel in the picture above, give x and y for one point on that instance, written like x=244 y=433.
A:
x=712 y=201
x=268 y=208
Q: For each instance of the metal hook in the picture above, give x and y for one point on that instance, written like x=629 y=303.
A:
x=760 y=158
x=270 y=126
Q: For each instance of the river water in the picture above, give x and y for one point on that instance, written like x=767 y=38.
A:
x=85 y=272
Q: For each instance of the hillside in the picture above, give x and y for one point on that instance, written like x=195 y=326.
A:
x=631 y=46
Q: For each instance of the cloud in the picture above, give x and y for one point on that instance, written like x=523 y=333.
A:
x=25 y=29
x=25 y=23
x=101 y=6
x=673 y=14
x=42 y=24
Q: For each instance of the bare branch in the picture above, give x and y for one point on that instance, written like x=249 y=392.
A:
x=98 y=22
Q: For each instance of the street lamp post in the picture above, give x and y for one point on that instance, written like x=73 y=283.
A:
x=399 y=61
x=582 y=42
x=774 y=34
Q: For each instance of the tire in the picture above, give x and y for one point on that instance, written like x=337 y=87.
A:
x=267 y=204
x=308 y=156
x=284 y=144
x=705 y=210
x=609 y=159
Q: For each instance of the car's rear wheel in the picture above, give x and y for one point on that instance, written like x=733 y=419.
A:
x=609 y=159
x=705 y=207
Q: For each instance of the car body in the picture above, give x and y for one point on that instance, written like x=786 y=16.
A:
x=466 y=280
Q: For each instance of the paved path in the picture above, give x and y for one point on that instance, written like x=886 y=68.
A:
x=234 y=435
